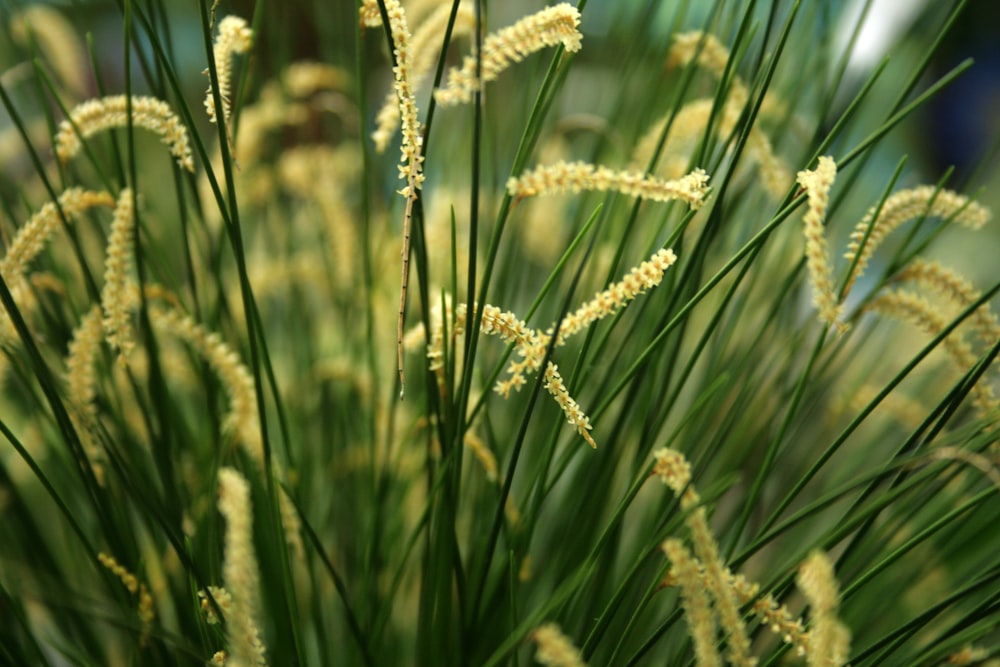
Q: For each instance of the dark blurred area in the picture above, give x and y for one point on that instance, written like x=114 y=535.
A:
x=960 y=127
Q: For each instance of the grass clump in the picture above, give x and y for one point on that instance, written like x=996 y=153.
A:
x=213 y=302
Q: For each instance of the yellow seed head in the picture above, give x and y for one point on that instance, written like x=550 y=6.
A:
x=574 y=415
x=673 y=469
x=302 y=79
x=639 y=280
x=913 y=308
x=81 y=381
x=30 y=239
x=59 y=43
x=232 y=373
x=828 y=642
x=554 y=648
x=579 y=176
x=234 y=37
x=956 y=289
x=712 y=54
x=117 y=264
x=425 y=48
x=146 y=608
x=551 y=26
x=900 y=208
x=223 y=600
x=239 y=571
x=686 y=572
x=93 y=116
x=817 y=185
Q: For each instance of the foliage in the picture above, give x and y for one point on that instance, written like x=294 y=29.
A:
x=774 y=451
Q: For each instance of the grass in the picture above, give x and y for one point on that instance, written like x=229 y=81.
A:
x=243 y=430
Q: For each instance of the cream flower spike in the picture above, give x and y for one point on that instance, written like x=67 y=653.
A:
x=639 y=280
x=30 y=238
x=58 y=42
x=956 y=289
x=147 y=607
x=900 y=208
x=234 y=37
x=426 y=46
x=117 y=263
x=673 y=469
x=828 y=639
x=93 y=116
x=240 y=571
x=686 y=571
x=554 y=648
x=81 y=384
x=551 y=26
x=226 y=364
x=711 y=53
x=369 y=14
x=411 y=157
x=915 y=309
x=817 y=185
x=579 y=176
